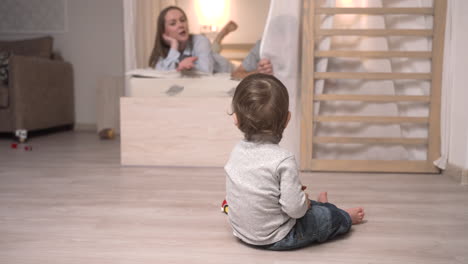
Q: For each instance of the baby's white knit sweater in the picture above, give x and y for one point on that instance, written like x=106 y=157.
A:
x=264 y=192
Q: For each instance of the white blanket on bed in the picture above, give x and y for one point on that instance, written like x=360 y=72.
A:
x=147 y=83
x=152 y=73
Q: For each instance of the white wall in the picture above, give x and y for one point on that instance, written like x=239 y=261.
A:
x=458 y=148
x=93 y=44
x=249 y=15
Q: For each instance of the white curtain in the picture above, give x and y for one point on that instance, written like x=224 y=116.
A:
x=129 y=34
x=140 y=29
x=280 y=44
x=140 y=17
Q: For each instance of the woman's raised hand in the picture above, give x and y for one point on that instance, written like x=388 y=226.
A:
x=187 y=63
x=265 y=66
x=172 y=42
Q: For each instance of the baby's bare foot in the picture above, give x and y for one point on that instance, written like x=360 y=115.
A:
x=323 y=197
x=357 y=214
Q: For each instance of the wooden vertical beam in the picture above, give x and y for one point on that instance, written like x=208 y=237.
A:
x=307 y=84
x=440 y=7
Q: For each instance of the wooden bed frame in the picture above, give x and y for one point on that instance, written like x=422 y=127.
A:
x=191 y=128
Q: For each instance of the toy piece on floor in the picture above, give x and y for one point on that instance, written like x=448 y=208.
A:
x=21 y=135
x=224 y=207
x=23 y=146
x=106 y=133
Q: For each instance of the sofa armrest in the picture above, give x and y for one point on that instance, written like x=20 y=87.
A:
x=41 y=92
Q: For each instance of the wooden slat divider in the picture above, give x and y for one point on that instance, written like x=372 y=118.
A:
x=312 y=32
x=373 y=76
x=412 y=166
x=371 y=140
x=373 y=119
x=374 y=54
x=375 y=11
x=371 y=98
x=374 y=32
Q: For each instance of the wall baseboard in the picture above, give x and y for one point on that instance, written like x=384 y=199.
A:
x=457 y=173
x=85 y=127
x=464 y=179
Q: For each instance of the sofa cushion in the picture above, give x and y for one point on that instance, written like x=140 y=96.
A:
x=3 y=96
x=4 y=61
x=40 y=47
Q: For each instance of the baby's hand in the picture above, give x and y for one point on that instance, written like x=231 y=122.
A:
x=264 y=66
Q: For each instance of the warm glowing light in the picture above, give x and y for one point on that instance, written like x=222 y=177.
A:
x=346 y=3
x=351 y=18
x=351 y=3
x=214 y=13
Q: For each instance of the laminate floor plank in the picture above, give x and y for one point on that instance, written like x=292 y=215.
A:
x=69 y=201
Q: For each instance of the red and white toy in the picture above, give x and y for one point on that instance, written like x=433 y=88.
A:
x=23 y=146
x=224 y=207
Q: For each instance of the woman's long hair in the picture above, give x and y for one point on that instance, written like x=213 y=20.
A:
x=160 y=48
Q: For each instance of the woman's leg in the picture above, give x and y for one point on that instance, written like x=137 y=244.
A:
x=228 y=28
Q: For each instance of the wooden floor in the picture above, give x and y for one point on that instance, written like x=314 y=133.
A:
x=69 y=201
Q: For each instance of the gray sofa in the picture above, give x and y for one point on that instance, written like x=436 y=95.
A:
x=39 y=92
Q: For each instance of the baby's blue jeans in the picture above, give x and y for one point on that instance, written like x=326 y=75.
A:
x=322 y=222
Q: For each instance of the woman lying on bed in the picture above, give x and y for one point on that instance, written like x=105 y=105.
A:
x=176 y=49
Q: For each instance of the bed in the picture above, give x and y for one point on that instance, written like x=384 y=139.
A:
x=176 y=120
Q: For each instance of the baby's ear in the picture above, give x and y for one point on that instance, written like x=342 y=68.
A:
x=287 y=120
x=234 y=118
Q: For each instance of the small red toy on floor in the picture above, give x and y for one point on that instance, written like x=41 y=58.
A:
x=23 y=146
x=21 y=137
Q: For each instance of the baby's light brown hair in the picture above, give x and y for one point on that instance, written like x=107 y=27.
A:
x=261 y=105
